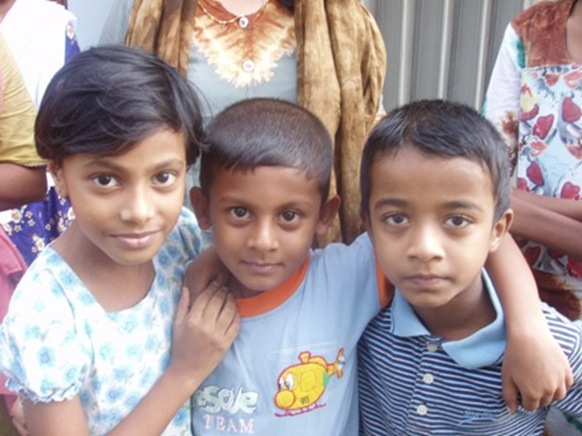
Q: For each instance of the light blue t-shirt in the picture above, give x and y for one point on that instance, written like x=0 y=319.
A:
x=292 y=369
x=57 y=341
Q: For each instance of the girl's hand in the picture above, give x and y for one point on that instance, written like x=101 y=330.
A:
x=203 y=333
x=201 y=271
x=535 y=368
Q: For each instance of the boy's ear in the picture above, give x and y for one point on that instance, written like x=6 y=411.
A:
x=200 y=206
x=500 y=229
x=327 y=213
x=56 y=171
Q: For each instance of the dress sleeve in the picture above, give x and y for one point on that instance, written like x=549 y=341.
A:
x=17 y=115
x=501 y=105
x=43 y=350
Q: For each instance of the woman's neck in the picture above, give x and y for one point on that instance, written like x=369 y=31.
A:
x=574 y=33
x=244 y=7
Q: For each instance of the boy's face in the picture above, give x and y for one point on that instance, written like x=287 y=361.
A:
x=263 y=223
x=126 y=205
x=431 y=223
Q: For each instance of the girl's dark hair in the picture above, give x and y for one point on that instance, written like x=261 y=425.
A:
x=443 y=129
x=107 y=99
x=267 y=132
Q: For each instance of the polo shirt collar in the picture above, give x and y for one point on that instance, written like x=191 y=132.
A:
x=483 y=348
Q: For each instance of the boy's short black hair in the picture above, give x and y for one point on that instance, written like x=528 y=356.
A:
x=107 y=99
x=444 y=129
x=267 y=132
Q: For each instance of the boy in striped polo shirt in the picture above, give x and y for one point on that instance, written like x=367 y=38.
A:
x=430 y=362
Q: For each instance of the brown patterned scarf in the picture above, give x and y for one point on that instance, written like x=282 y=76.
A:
x=341 y=66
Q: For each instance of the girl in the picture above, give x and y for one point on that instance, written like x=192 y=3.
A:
x=86 y=342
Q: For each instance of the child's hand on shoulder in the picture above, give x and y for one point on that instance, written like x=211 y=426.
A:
x=535 y=368
x=203 y=332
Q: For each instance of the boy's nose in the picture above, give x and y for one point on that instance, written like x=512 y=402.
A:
x=264 y=237
x=138 y=206
x=425 y=244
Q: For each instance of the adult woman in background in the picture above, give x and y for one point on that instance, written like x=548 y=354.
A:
x=328 y=56
x=535 y=100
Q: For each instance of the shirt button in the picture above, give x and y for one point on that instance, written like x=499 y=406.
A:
x=428 y=378
x=432 y=347
x=248 y=66
x=422 y=410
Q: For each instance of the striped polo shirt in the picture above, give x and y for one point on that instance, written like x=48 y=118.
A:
x=414 y=383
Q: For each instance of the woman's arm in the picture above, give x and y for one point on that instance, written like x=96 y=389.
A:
x=569 y=208
x=550 y=223
x=534 y=364
x=201 y=336
x=20 y=185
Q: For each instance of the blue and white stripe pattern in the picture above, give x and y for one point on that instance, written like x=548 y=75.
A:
x=413 y=383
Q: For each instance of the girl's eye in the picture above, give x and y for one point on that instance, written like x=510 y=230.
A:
x=105 y=180
x=457 y=221
x=396 y=219
x=165 y=178
x=239 y=212
x=290 y=216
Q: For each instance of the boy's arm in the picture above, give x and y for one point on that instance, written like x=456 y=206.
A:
x=201 y=336
x=534 y=364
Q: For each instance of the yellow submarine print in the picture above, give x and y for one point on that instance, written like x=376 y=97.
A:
x=302 y=384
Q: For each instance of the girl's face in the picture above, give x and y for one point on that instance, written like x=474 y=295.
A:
x=125 y=205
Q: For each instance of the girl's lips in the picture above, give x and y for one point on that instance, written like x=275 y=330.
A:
x=136 y=241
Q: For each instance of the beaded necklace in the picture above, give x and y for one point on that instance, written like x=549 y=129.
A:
x=243 y=20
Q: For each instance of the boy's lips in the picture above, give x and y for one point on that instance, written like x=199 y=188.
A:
x=261 y=268
x=425 y=280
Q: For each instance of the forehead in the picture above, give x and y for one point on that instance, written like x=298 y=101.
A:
x=276 y=183
x=417 y=175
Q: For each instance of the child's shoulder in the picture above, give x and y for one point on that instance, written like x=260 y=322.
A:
x=566 y=332
x=185 y=239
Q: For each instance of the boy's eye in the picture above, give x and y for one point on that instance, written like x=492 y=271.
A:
x=396 y=219
x=239 y=212
x=457 y=221
x=165 y=178
x=289 y=216
x=105 y=180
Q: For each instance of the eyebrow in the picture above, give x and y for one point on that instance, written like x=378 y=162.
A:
x=111 y=165
x=453 y=204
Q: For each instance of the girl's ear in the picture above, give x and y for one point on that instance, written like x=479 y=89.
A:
x=56 y=172
x=327 y=213
x=500 y=229
x=200 y=206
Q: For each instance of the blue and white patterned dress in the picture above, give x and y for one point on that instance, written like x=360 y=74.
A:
x=57 y=341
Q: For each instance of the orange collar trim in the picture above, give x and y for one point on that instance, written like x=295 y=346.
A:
x=385 y=288
x=272 y=299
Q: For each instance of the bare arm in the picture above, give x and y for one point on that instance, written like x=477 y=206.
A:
x=201 y=336
x=548 y=221
x=534 y=364
x=567 y=207
x=20 y=185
